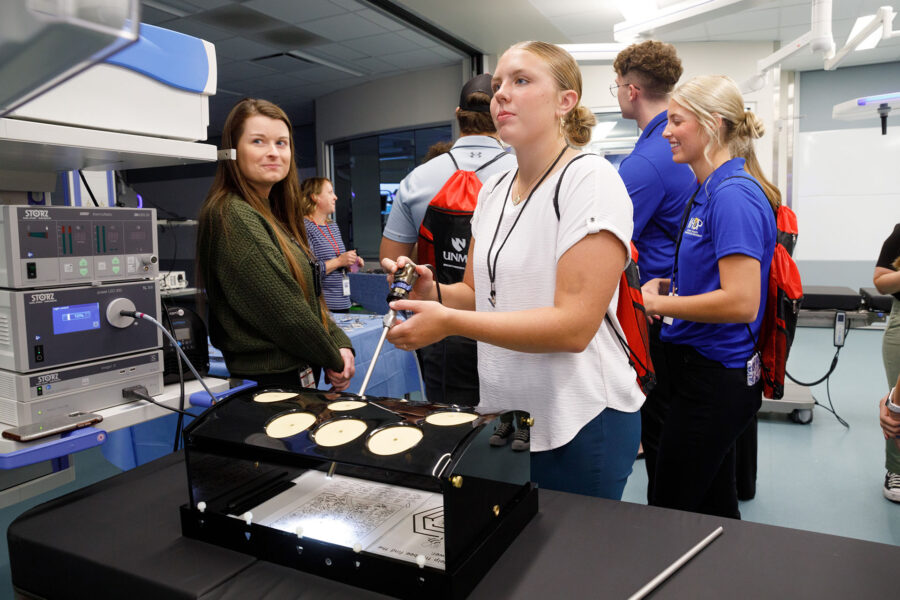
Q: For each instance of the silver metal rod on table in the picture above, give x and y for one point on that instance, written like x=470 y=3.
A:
x=388 y=321
x=675 y=565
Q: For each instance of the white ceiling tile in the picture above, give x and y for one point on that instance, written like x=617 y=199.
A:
x=209 y=4
x=349 y=5
x=153 y=16
x=558 y=8
x=338 y=51
x=417 y=38
x=243 y=49
x=374 y=66
x=415 y=59
x=377 y=45
x=238 y=71
x=798 y=14
x=688 y=34
x=751 y=20
x=580 y=24
x=376 y=17
x=449 y=53
x=268 y=82
x=319 y=74
x=788 y=34
x=296 y=11
x=283 y=63
x=344 y=27
x=190 y=26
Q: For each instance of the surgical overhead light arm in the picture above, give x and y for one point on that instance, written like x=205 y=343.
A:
x=883 y=20
x=819 y=38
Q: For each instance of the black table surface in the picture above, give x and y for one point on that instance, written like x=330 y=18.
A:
x=121 y=538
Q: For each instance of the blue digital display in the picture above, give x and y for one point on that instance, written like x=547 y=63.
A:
x=78 y=317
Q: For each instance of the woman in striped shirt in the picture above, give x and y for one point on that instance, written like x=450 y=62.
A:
x=317 y=202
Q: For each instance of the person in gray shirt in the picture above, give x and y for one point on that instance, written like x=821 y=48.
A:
x=449 y=367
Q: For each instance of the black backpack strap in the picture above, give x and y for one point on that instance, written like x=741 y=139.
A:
x=559 y=181
x=492 y=161
x=499 y=181
x=455 y=164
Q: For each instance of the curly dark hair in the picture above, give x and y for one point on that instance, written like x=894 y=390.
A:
x=654 y=65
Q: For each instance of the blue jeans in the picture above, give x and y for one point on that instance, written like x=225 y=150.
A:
x=597 y=462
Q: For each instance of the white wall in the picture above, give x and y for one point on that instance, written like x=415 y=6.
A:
x=408 y=100
x=848 y=193
x=735 y=59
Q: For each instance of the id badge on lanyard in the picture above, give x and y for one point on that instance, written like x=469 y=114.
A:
x=306 y=378
x=345 y=283
x=754 y=369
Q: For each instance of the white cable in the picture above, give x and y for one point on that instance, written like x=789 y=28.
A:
x=139 y=315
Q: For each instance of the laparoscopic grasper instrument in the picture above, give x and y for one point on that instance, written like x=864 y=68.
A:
x=404 y=279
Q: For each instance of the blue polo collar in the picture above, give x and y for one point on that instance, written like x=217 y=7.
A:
x=653 y=124
x=725 y=170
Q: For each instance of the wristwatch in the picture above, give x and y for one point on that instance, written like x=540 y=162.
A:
x=890 y=403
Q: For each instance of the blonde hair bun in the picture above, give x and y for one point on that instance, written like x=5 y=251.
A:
x=578 y=124
x=750 y=126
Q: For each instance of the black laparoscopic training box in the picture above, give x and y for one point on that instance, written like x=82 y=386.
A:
x=404 y=498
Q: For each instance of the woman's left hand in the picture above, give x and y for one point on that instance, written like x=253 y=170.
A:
x=340 y=380
x=429 y=324
x=361 y=263
x=652 y=290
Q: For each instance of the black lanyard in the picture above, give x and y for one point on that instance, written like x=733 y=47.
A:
x=684 y=218
x=492 y=270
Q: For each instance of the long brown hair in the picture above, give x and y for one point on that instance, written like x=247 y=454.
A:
x=281 y=209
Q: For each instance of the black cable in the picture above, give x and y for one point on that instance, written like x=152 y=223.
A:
x=137 y=394
x=831 y=410
x=91 y=193
x=180 y=422
x=827 y=379
x=834 y=362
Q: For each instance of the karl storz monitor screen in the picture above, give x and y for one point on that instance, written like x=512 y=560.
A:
x=78 y=317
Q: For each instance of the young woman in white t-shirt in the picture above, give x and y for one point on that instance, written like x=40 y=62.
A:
x=537 y=285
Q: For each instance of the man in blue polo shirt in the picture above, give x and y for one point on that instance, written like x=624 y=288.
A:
x=660 y=189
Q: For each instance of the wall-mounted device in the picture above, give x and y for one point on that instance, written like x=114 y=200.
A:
x=62 y=245
x=32 y=397
x=41 y=329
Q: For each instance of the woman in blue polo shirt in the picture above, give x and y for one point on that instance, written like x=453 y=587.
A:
x=717 y=290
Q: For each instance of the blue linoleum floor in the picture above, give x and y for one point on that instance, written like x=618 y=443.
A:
x=818 y=477
x=822 y=476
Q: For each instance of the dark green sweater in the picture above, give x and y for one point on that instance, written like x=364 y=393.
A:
x=259 y=316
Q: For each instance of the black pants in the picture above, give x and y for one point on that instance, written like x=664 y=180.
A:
x=711 y=406
x=655 y=408
x=450 y=371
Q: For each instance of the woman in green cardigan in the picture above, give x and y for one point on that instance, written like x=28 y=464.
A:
x=266 y=314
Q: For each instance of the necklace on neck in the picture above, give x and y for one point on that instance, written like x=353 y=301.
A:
x=518 y=197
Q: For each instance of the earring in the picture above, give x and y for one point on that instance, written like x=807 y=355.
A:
x=562 y=126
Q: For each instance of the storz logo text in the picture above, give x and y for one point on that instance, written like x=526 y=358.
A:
x=43 y=298
x=36 y=213
x=48 y=378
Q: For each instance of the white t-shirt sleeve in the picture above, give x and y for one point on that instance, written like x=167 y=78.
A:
x=593 y=198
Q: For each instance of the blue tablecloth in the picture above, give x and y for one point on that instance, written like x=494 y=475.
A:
x=395 y=372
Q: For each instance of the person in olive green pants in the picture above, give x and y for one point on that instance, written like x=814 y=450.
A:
x=887 y=281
